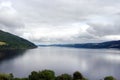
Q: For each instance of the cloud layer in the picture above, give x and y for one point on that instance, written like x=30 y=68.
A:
x=61 y=21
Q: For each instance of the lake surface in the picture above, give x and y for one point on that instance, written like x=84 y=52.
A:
x=92 y=63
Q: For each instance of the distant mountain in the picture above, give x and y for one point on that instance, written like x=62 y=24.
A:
x=10 y=41
x=108 y=44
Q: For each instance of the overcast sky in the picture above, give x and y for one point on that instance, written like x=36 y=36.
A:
x=61 y=21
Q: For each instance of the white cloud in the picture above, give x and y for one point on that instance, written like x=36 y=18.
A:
x=55 y=34
x=9 y=18
x=61 y=21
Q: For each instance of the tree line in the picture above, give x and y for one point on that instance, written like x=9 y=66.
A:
x=49 y=75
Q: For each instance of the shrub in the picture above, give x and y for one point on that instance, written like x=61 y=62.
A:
x=64 y=77
x=6 y=77
x=33 y=76
x=77 y=76
x=109 y=78
x=46 y=75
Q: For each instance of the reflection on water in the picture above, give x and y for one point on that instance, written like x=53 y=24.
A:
x=10 y=54
x=92 y=63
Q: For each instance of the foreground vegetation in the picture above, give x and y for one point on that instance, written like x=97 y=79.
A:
x=49 y=75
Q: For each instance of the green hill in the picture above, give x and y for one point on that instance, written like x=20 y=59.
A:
x=10 y=41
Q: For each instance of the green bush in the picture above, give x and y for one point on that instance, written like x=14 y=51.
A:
x=33 y=76
x=6 y=77
x=42 y=75
x=109 y=78
x=77 y=76
x=20 y=79
x=49 y=75
x=46 y=75
x=64 y=77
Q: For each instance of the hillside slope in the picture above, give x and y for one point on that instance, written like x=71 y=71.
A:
x=108 y=44
x=10 y=41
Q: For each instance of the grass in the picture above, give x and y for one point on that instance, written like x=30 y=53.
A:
x=3 y=43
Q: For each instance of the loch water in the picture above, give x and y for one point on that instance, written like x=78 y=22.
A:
x=94 y=64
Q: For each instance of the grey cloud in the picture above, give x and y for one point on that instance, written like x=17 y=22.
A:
x=102 y=17
x=103 y=27
x=9 y=19
x=62 y=11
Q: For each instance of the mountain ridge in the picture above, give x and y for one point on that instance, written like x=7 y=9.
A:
x=11 y=41
x=107 y=44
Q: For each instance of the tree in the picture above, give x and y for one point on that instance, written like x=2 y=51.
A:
x=64 y=77
x=12 y=76
x=46 y=75
x=20 y=79
x=109 y=78
x=5 y=77
x=33 y=76
x=77 y=76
